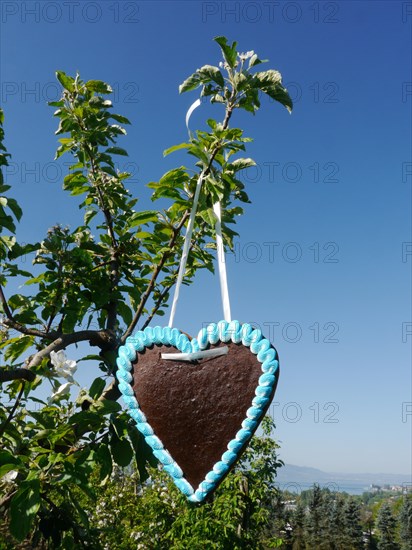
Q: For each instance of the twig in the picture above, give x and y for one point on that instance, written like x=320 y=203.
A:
x=157 y=305
x=4 y=502
x=13 y=410
x=159 y=301
x=58 y=295
x=152 y=282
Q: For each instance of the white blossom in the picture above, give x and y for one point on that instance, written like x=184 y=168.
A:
x=63 y=367
x=247 y=55
x=64 y=389
x=10 y=476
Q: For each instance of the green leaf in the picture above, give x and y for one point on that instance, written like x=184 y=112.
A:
x=79 y=190
x=176 y=148
x=7 y=222
x=229 y=52
x=175 y=178
x=87 y=420
x=120 y=118
x=106 y=407
x=268 y=78
x=89 y=215
x=270 y=82
x=7 y=468
x=97 y=387
x=82 y=513
x=9 y=243
x=122 y=451
x=254 y=60
x=105 y=461
x=66 y=81
x=15 y=208
x=8 y=462
x=125 y=312
x=59 y=103
x=209 y=216
x=110 y=171
x=117 y=151
x=75 y=177
x=98 y=86
x=191 y=83
x=209 y=72
x=23 y=508
x=167 y=192
x=139 y=218
x=17 y=346
x=281 y=95
x=119 y=425
x=143 y=453
x=217 y=99
x=66 y=141
x=118 y=130
x=241 y=164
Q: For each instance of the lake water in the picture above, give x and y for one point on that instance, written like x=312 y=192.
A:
x=341 y=487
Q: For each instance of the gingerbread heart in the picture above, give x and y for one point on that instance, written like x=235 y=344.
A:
x=198 y=401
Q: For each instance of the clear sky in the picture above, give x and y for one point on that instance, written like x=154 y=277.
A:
x=323 y=262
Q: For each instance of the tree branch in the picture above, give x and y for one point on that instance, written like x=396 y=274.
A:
x=10 y=322
x=114 y=279
x=7 y=375
x=112 y=391
x=114 y=261
x=103 y=339
x=97 y=177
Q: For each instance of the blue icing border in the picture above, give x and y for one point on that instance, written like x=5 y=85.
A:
x=212 y=334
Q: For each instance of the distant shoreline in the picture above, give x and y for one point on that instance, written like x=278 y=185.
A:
x=300 y=478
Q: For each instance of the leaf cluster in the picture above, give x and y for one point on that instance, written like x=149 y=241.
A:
x=240 y=87
x=52 y=449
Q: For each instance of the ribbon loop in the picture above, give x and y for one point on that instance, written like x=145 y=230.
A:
x=224 y=290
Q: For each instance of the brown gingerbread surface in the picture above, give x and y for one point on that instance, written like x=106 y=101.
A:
x=196 y=408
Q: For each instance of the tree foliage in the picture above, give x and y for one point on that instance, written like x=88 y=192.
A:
x=238 y=516
x=405 y=523
x=95 y=284
x=386 y=525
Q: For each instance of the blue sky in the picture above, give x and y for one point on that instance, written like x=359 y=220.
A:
x=322 y=261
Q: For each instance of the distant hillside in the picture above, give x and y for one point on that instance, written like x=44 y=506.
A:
x=352 y=483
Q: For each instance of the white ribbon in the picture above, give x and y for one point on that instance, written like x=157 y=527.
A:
x=194 y=356
x=183 y=259
x=219 y=245
x=194 y=106
x=224 y=289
